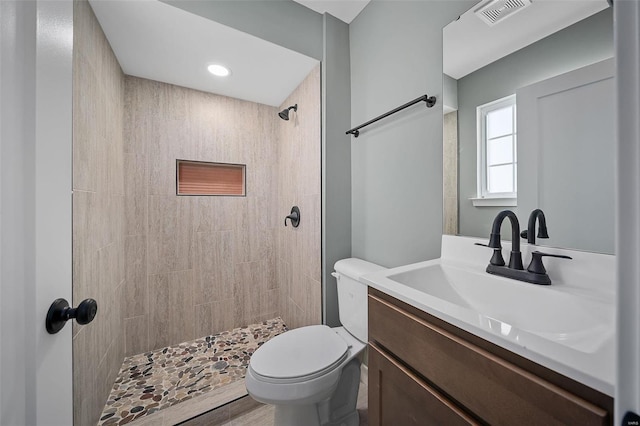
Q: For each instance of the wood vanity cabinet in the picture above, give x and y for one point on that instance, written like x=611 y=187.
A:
x=425 y=371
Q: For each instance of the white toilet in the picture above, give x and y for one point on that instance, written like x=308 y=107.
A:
x=311 y=374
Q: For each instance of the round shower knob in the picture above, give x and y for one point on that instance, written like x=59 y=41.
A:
x=60 y=312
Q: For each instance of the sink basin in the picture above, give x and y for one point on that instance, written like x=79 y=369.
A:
x=508 y=307
x=568 y=326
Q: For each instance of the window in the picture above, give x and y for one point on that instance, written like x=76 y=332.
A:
x=199 y=178
x=497 y=154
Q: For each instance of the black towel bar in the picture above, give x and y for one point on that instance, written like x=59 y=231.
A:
x=429 y=100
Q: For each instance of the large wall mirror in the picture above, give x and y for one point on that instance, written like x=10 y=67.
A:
x=529 y=119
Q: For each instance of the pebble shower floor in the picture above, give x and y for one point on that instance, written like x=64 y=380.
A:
x=164 y=377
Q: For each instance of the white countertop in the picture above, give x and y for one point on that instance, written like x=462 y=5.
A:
x=568 y=327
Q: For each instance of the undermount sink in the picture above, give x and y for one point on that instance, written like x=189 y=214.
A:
x=508 y=306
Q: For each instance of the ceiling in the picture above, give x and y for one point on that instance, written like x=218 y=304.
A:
x=345 y=10
x=160 y=42
x=470 y=44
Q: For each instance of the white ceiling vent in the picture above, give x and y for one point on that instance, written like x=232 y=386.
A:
x=497 y=10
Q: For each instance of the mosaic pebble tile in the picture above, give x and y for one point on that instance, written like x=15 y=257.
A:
x=164 y=377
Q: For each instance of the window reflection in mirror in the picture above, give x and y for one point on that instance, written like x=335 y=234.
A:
x=497 y=165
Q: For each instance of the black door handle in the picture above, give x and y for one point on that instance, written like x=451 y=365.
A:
x=60 y=312
x=630 y=418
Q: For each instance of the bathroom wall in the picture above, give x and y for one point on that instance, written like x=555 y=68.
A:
x=98 y=213
x=396 y=56
x=299 y=249
x=325 y=38
x=336 y=159
x=196 y=265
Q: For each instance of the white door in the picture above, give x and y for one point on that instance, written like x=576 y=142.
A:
x=566 y=137
x=35 y=205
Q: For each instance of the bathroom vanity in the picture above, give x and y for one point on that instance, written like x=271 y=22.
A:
x=423 y=371
x=495 y=351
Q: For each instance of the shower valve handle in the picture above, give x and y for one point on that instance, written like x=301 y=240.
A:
x=294 y=217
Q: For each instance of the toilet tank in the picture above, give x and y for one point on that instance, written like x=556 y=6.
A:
x=352 y=294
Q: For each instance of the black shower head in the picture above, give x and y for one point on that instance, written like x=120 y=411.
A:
x=284 y=114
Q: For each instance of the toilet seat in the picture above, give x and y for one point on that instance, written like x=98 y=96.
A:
x=299 y=355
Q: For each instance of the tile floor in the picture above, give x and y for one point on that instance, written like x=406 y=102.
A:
x=159 y=379
x=263 y=415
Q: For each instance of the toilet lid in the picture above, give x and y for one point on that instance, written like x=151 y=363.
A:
x=302 y=352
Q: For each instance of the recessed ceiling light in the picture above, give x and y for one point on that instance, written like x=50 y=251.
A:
x=219 y=70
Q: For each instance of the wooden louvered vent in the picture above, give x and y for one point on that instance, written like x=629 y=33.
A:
x=198 y=178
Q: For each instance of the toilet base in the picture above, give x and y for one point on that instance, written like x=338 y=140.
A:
x=352 y=419
x=294 y=415
x=339 y=410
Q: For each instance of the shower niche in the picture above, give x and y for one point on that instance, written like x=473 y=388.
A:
x=202 y=178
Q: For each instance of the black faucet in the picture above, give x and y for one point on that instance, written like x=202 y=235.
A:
x=529 y=233
x=535 y=273
x=515 y=259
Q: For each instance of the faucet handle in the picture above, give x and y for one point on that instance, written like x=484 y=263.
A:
x=536 y=266
x=497 y=258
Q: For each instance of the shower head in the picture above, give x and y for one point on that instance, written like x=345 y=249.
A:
x=284 y=114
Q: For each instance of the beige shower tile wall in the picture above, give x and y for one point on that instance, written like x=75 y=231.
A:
x=450 y=173
x=196 y=265
x=98 y=213
x=299 y=183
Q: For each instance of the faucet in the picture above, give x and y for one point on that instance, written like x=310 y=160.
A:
x=529 y=233
x=535 y=272
x=515 y=259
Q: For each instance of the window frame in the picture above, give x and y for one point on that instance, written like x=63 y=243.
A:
x=484 y=197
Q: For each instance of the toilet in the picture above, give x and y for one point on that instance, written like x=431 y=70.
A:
x=312 y=374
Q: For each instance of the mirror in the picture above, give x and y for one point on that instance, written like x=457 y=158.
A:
x=529 y=120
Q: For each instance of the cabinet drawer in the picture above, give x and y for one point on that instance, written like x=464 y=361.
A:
x=399 y=397
x=495 y=390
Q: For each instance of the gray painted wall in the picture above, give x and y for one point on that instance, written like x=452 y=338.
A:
x=584 y=43
x=336 y=159
x=450 y=92
x=283 y=22
x=396 y=56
